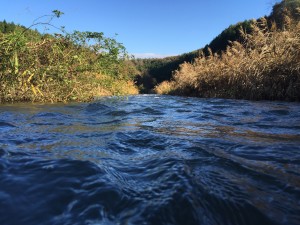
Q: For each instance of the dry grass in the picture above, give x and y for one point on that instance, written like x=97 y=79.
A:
x=265 y=66
x=164 y=88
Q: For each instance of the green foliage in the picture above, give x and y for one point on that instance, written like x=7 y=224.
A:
x=231 y=34
x=107 y=54
x=7 y=27
x=57 y=13
x=64 y=67
x=155 y=71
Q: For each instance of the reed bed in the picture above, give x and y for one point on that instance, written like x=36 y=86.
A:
x=266 y=65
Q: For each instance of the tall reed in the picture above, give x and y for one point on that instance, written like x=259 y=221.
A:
x=266 y=65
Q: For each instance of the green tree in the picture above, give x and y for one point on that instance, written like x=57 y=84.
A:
x=7 y=27
x=232 y=33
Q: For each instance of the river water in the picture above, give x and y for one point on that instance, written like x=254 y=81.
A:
x=150 y=159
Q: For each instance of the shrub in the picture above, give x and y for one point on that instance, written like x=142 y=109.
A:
x=62 y=68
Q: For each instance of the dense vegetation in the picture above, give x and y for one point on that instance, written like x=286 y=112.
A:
x=7 y=27
x=260 y=62
x=285 y=8
x=254 y=59
x=155 y=71
x=62 y=67
x=264 y=65
x=230 y=34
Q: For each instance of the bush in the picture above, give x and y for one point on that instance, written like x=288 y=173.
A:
x=62 y=68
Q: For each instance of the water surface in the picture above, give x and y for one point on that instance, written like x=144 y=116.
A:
x=150 y=160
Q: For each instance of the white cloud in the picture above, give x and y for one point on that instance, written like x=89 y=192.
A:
x=149 y=55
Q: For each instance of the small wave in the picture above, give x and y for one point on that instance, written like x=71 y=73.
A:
x=147 y=160
x=5 y=124
x=279 y=112
x=2 y=152
x=97 y=107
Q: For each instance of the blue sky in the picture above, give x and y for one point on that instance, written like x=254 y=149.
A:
x=145 y=27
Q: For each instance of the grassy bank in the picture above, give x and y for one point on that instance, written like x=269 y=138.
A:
x=60 y=68
x=266 y=65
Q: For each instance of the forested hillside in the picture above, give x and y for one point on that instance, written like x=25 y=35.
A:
x=155 y=71
x=7 y=27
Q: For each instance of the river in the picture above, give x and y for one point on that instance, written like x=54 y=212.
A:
x=150 y=159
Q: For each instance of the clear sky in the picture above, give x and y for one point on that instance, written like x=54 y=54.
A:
x=145 y=27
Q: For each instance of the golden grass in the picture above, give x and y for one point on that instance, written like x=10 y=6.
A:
x=164 y=88
x=265 y=66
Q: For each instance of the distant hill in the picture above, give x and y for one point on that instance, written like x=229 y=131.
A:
x=155 y=71
x=7 y=27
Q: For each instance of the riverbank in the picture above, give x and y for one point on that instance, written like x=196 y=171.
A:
x=261 y=62
x=266 y=66
x=59 y=68
x=80 y=87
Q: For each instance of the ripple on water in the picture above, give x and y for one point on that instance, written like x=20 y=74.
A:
x=150 y=160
